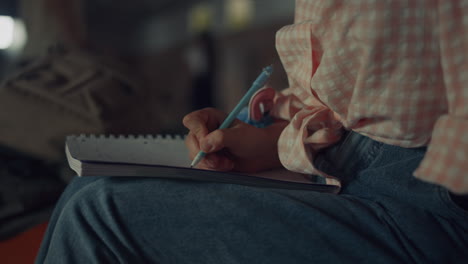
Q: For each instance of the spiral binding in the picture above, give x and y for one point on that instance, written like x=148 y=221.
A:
x=127 y=137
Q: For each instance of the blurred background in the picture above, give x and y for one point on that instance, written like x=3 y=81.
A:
x=115 y=66
x=166 y=43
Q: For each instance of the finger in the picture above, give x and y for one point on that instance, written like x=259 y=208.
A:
x=214 y=141
x=203 y=121
x=196 y=123
x=192 y=144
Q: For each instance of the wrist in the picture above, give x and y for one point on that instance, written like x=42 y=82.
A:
x=273 y=133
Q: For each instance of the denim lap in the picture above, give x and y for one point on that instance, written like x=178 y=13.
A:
x=384 y=215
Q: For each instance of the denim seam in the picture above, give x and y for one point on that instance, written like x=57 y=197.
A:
x=368 y=158
x=371 y=156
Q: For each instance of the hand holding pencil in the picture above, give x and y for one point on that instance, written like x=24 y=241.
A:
x=233 y=145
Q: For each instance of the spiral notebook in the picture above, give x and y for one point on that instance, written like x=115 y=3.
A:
x=167 y=157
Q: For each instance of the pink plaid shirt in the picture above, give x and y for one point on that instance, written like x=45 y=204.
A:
x=395 y=71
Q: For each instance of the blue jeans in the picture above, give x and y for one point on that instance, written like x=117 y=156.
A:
x=383 y=215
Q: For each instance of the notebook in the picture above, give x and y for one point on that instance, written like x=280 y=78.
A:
x=167 y=157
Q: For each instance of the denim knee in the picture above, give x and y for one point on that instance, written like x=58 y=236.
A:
x=87 y=221
x=86 y=193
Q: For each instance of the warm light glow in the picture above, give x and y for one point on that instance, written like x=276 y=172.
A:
x=239 y=13
x=7 y=27
x=200 y=17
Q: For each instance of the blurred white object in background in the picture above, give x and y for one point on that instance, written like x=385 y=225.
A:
x=13 y=34
x=7 y=28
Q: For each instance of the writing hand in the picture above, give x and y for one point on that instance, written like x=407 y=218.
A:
x=241 y=147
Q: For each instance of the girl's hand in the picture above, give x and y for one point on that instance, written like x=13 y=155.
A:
x=241 y=147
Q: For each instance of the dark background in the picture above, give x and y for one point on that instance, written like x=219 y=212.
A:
x=145 y=78
x=152 y=37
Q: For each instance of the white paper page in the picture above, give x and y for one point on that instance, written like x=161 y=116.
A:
x=150 y=150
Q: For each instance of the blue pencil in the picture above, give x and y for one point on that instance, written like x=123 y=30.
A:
x=257 y=84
